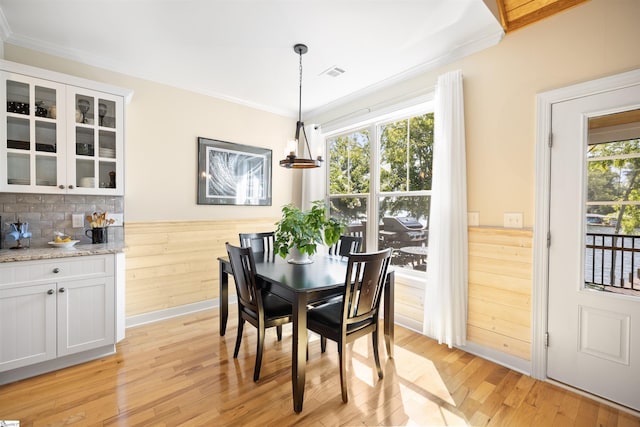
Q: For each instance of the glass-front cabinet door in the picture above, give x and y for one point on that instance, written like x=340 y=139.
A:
x=33 y=147
x=59 y=138
x=96 y=136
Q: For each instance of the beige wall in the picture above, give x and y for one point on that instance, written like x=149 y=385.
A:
x=162 y=126
x=592 y=40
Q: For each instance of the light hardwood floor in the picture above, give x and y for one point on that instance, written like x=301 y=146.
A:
x=181 y=372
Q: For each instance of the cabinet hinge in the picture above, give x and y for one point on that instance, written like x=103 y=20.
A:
x=548 y=239
x=546 y=339
x=550 y=142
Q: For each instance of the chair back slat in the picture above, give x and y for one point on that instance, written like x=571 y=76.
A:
x=243 y=268
x=346 y=245
x=258 y=242
x=366 y=275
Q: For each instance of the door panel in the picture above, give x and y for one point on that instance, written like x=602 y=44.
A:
x=594 y=343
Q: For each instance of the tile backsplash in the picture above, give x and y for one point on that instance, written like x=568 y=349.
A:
x=47 y=213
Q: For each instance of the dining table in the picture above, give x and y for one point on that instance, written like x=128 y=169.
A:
x=301 y=285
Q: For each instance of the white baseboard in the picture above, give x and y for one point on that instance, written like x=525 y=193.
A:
x=512 y=362
x=515 y=363
x=156 y=316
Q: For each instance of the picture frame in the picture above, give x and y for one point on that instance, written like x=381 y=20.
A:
x=233 y=174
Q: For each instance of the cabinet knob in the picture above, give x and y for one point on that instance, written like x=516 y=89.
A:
x=71 y=187
x=61 y=290
x=50 y=292
x=61 y=187
x=56 y=270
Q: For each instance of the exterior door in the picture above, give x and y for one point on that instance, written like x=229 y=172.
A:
x=594 y=329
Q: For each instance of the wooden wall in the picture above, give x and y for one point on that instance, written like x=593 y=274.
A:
x=500 y=282
x=169 y=264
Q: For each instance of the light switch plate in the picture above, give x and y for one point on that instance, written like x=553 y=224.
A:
x=77 y=220
x=513 y=219
x=473 y=219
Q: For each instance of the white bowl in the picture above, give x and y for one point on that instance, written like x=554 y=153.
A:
x=64 y=244
x=89 y=182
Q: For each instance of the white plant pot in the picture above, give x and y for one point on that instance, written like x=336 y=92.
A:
x=297 y=257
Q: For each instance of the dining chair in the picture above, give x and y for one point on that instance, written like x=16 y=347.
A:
x=260 y=308
x=345 y=245
x=258 y=242
x=355 y=314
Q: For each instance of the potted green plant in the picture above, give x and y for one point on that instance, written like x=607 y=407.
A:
x=299 y=232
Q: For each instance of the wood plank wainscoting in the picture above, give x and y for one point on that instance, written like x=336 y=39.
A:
x=171 y=264
x=500 y=283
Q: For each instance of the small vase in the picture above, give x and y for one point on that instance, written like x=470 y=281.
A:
x=297 y=257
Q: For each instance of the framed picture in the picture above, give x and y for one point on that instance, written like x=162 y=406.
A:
x=233 y=174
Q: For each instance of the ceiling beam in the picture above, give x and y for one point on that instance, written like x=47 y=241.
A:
x=515 y=14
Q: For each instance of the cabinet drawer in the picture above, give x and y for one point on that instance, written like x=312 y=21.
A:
x=56 y=269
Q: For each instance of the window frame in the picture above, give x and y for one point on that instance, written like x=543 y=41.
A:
x=373 y=124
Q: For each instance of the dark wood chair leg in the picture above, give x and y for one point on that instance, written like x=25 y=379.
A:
x=279 y=332
x=238 y=337
x=256 y=371
x=343 y=372
x=323 y=344
x=376 y=355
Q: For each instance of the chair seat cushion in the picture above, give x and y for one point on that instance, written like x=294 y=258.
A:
x=274 y=306
x=330 y=314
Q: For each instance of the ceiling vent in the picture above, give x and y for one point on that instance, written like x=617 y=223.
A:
x=333 y=71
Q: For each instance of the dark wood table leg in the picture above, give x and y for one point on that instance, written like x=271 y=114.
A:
x=389 y=292
x=299 y=359
x=223 y=280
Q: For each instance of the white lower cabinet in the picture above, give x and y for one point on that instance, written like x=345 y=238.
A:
x=27 y=325
x=52 y=309
x=86 y=315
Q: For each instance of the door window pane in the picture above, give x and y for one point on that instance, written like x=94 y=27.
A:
x=612 y=220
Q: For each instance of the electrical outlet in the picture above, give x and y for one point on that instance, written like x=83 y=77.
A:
x=473 y=219
x=513 y=219
x=77 y=220
x=118 y=219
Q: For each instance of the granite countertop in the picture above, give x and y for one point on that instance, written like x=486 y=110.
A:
x=49 y=252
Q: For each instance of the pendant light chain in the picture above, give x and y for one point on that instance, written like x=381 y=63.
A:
x=300 y=96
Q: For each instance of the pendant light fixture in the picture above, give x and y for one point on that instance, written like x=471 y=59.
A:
x=292 y=161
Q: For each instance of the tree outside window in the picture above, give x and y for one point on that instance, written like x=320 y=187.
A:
x=400 y=152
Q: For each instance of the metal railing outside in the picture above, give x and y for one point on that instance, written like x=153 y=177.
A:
x=612 y=261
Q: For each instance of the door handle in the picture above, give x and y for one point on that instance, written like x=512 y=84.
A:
x=61 y=290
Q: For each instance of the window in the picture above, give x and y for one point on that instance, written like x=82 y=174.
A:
x=383 y=170
x=612 y=252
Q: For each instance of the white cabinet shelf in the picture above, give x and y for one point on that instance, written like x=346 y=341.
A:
x=62 y=134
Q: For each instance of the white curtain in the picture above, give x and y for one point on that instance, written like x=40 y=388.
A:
x=313 y=180
x=445 y=303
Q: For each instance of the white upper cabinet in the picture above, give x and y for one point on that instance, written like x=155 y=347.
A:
x=59 y=137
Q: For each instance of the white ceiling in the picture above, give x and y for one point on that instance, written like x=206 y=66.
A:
x=242 y=50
